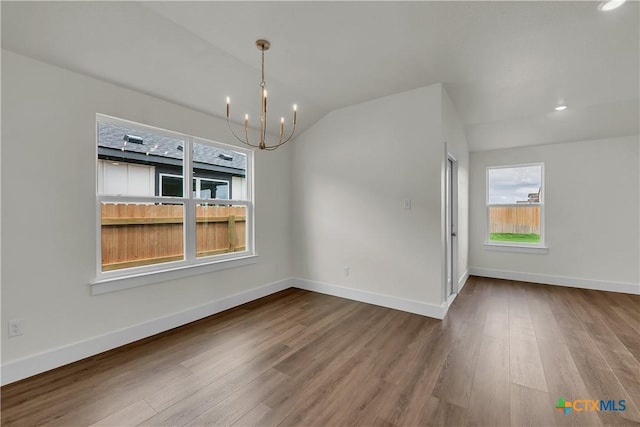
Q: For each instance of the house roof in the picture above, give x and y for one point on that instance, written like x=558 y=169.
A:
x=162 y=147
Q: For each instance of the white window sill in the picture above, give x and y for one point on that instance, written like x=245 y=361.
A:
x=516 y=248
x=101 y=286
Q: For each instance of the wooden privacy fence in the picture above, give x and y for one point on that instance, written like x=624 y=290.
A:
x=516 y=220
x=142 y=234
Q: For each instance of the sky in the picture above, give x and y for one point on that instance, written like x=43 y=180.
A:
x=511 y=185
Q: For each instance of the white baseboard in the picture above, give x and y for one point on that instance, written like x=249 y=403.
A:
x=452 y=297
x=32 y=365
x=463 y=281
x=51 y=359
x=411 y=306
x=546 y=279
x=38 y=363
x=450 y=301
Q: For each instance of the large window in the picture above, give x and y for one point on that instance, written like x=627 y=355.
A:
x=515 y=205
x=150 y=218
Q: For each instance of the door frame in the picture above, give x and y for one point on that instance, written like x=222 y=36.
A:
x=451 y=225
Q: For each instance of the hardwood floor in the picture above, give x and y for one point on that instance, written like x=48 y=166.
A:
x=504 y=355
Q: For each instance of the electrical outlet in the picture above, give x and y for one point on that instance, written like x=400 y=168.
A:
x=15 y=327
x=346 y=271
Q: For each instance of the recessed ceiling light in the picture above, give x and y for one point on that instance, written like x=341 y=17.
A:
x=610 y=5
x=561 y=107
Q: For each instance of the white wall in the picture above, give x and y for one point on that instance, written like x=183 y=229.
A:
x=592 y=212
x=456 y=145
x=49 y=247
x=351 y=172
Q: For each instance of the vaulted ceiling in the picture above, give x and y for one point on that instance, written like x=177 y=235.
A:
x=506 y=65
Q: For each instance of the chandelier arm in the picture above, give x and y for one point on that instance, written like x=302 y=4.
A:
x=264 y=132
x=233 y=133
x=245 y=142
x=273 y=147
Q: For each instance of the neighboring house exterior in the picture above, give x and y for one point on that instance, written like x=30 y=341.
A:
x=137 y=163
x=532 y=198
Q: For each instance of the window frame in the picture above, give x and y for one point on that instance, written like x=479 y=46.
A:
x=161 y=175
x=197 y=179
x=199 y=185
x=540 y=247
x=107 y=281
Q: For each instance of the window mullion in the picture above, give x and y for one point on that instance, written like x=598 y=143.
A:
x=190 y=206
x=139 y=199
x=223 y=202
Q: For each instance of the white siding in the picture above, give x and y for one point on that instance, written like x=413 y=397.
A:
x=238 y=188
x=125 y=179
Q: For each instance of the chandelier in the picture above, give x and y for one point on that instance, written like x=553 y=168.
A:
x=262 y=46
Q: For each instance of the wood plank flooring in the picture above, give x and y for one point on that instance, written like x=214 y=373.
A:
x=504 y=355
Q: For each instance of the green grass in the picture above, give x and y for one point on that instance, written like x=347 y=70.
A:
x=510 y=237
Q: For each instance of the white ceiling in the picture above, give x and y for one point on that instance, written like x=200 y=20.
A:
x=506 y=65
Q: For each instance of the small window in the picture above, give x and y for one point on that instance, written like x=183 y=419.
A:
x=203 y=188
x=515 y=205
x=170 y=185
x=149 y=220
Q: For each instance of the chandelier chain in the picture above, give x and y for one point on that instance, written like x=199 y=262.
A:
x=262 y=73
